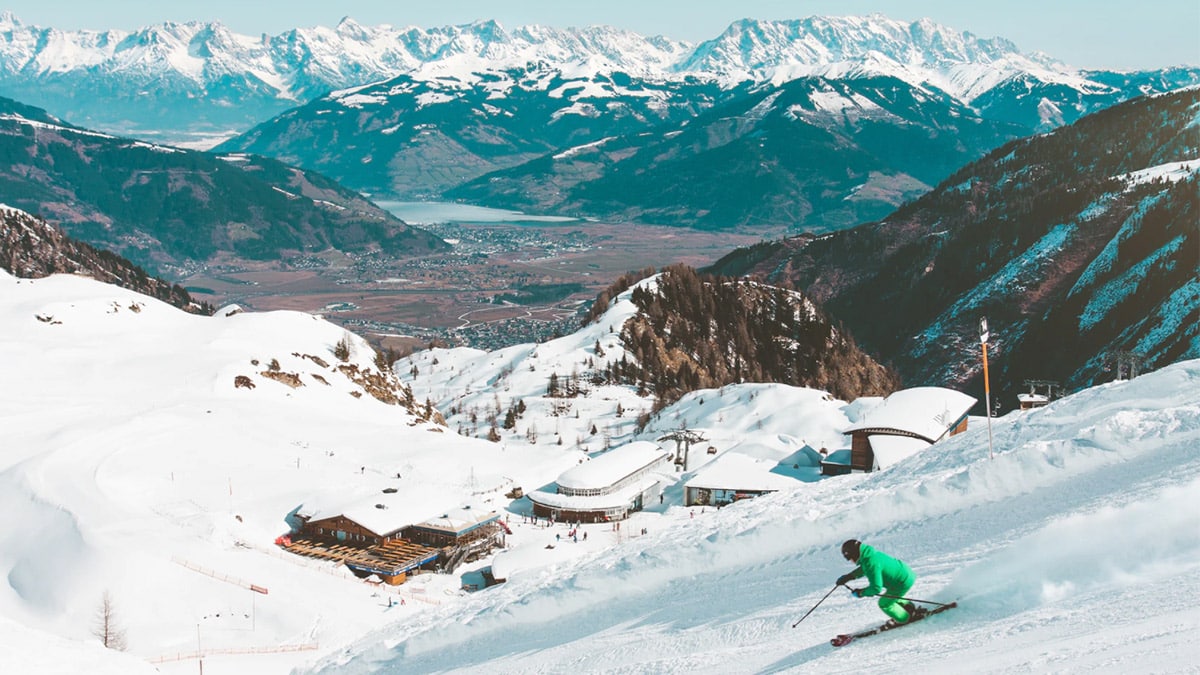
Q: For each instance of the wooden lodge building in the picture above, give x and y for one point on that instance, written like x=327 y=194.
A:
x=901 y=425
x=381 y=538
x=607 y=487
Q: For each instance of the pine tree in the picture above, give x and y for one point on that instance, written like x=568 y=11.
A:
x=342 y=349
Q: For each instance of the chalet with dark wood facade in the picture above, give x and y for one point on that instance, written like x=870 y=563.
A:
x=901 y=425
x=379 y=537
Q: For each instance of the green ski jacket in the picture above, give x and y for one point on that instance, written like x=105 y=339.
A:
x=881 y=571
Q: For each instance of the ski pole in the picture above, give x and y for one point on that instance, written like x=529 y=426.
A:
x=816 y=605
x=897 y=597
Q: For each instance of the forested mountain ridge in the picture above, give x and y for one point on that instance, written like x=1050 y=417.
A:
x=809 y=154
x=1077 y=245
x=419 y=137
x=695 y=331
x=162 y=206
x=30 y=248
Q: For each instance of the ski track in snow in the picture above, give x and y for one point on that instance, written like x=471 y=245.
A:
x=1086 y=510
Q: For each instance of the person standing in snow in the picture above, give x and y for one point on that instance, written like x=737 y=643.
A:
x=885 y=575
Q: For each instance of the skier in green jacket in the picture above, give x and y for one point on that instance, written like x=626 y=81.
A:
x=884 y=574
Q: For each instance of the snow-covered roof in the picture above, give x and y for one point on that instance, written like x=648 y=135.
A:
x=927 y=412
x=735 y=471
x=840 y=456
x=892 y=449
x=386 y=512
x=608 y=469
x=613 y=500
x=395 y=515
x=805 y=456
x=457 y=521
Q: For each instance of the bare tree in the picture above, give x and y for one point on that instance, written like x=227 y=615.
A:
x=105 y=627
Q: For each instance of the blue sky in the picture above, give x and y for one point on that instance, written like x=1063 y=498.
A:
x=1122 y=34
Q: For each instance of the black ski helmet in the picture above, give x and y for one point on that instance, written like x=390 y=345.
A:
x=850 y=549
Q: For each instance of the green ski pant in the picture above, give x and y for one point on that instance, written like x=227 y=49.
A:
x=893 y=607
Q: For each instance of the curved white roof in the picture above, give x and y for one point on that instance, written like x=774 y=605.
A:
x=613 y=500
x=735 y=471
x=608 y=469
x=892 y=449
x=927 y=412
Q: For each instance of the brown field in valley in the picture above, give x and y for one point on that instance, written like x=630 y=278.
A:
x=404 y=302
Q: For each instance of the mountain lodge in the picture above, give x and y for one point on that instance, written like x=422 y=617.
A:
x=382 y=538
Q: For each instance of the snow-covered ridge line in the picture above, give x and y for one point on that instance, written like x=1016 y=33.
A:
x=750 y=49
x=1171 y=171
x=54 y=127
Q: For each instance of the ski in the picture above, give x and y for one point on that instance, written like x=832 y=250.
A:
x=843 y=640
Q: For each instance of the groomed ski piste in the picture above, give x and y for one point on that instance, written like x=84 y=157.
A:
x=1076 y=549
x=124 y=447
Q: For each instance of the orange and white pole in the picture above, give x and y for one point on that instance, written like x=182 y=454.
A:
x=987 y=389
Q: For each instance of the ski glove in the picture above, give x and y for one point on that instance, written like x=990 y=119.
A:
x=845 y=579
x=856 y=592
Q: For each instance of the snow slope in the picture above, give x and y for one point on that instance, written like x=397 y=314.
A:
x=1076 y=548
x=131 y=464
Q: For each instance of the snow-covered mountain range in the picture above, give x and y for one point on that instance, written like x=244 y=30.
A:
x=181 y=77
x=134 y=465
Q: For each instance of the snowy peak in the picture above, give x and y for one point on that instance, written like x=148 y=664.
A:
x=916 y=52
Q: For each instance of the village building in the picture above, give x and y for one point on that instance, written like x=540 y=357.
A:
x=733 y=476
x=383 y=536
x=607 y=487
x=901 y=425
